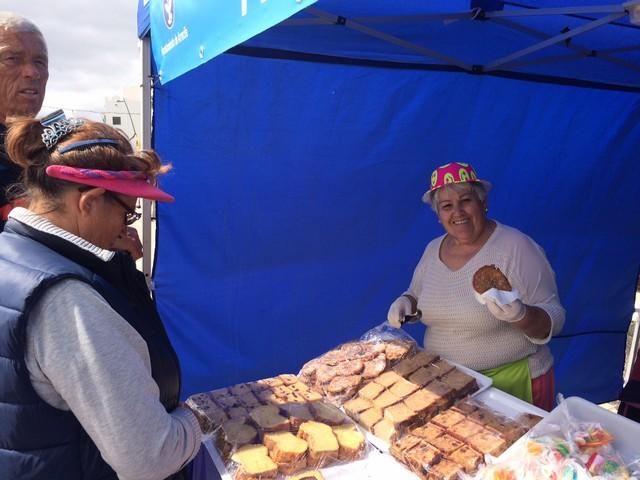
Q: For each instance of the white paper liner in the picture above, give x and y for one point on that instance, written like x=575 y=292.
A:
x=501 y=297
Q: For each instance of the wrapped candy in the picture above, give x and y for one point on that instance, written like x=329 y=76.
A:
x=566 y=450
x=591 y=438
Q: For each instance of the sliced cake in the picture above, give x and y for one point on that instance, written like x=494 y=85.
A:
x=253 y=463
x=323 y=444
x=350 y=440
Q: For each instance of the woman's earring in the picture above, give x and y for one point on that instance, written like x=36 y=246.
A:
x=486 y=210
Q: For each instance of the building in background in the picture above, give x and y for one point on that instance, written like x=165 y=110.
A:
x=123 y=112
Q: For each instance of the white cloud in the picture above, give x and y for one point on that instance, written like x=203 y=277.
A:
x=93 y=49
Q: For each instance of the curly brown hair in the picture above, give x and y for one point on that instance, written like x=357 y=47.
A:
x=25 y=147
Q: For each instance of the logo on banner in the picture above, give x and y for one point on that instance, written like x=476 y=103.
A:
x=168 y=10
x=206 y=28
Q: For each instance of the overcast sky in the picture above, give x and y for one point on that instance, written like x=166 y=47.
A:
x=93 y=49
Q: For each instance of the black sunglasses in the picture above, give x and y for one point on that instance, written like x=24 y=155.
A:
x=130 y=215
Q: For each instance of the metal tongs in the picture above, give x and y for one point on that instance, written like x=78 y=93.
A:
x=411 y=318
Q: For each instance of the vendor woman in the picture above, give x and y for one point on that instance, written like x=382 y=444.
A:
x=507 y=342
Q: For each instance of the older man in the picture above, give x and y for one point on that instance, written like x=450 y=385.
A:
x=24 y=71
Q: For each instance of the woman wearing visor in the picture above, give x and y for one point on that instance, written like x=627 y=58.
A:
x=507 y=342
x=89 y=381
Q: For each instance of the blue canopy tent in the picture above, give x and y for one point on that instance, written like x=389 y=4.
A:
x=300 y=157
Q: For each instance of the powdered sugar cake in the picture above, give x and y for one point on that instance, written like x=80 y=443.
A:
x=333 y=374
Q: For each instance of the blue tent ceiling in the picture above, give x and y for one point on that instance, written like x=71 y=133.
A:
x=468 y=35
x=449 y=33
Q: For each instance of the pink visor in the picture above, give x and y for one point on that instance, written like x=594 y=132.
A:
x=126 y=182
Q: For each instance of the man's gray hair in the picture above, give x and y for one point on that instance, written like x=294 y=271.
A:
x=475 y=187
x=12 y=22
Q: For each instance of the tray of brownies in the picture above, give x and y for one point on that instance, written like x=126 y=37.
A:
x=368 y=409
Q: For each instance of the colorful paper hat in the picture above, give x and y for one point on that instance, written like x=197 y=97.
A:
x=130 y=183
x=455 y=172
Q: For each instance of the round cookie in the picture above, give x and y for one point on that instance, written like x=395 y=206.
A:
x=488 y=277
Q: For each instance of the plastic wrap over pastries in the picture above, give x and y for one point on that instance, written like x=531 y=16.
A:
x=338 y=374
x=277 y=427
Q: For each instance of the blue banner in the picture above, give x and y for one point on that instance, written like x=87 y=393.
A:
x=187 y=33
x=143 y=18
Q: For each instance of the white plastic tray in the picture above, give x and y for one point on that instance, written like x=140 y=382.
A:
x=483 y=381
x=508 y=405
x=217 y=461
x=496 y=399
x=378 y=464
x=625 y=431
x=374 y=466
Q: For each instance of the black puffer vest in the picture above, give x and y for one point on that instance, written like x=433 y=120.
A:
x=37 y=441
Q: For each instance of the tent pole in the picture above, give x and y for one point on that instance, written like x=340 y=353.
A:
x=557 y=11
x=147 y=205
x=427 y=52
x=468 y=15
x=582 y=51
x=554 y=40
x=633 y=347
x=438 y=17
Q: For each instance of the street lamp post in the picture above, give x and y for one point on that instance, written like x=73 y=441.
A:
x=133 y=125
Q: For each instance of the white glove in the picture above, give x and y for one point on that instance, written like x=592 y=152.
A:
x=398 y=310
x=510 y=312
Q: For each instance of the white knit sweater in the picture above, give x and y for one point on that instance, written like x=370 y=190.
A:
x=460 y=329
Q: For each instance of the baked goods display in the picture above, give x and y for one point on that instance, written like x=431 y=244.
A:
x=488 y=277
x=412 y=392
x=253 y=461
x=456 y=440
x=277 y=427
x=292 y=426
x=338 y=374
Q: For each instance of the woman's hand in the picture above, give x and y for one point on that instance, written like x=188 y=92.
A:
x=510 y=312
x=129 y=241
x=402 y=307
x=533 y=321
